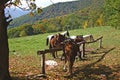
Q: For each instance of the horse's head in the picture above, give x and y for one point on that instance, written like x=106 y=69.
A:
x=79 y=38
x=61 y=37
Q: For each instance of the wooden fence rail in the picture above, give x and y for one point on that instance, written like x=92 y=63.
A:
x=98 y=39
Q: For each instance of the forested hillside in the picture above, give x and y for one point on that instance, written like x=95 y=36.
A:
x=81 y=15
x=58 y=9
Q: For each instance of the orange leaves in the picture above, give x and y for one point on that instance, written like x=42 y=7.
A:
x=31 y=14
x=39 y=10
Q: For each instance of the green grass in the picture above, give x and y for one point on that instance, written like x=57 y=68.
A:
x=104 y=65
x=30 y=44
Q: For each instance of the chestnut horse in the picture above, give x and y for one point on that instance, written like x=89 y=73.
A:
x=55 y=42
x=77 y=39
x=70 y=52
x=65 y=33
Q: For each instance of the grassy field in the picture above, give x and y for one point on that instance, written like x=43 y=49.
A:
x=103 y=64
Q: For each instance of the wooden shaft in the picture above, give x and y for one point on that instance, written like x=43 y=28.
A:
x=95 y=40
x=43 y=63
x=100 y=43
x=83 y=50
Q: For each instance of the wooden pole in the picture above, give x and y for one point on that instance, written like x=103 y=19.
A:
x=42 y=53
x=43 y=63
x=83 y=52
x=100 y=43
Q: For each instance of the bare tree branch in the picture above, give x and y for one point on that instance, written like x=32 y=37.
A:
x=11 y=3
x=52 y=1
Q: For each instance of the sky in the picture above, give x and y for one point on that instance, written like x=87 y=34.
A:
x=45 y=3
x=16 y=12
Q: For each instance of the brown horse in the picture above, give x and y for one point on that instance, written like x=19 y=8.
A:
x=55 y=42
x=70 y=52
x=77 y=39
x=65 y=33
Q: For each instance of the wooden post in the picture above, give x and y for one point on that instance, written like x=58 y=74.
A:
x=83 y=52
x=43 y=63
x=42 y=53
x=100 y=43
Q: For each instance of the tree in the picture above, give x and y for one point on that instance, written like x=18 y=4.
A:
x=93 y=15
x=4 y=49
x=112 y=13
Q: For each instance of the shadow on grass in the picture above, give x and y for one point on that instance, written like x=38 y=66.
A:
x=27 y=77
x=14 y=77
x=101 y=72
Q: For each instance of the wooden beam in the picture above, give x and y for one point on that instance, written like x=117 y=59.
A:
x=94 y=40
x=82 y=42
x=48 y=51
x=40 y=52
x=53 y=49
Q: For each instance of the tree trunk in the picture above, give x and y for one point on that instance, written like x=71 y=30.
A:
x=4 y=49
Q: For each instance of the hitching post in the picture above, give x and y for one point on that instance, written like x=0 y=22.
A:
x=42 y=53
x=83 y=49
x=43 y=63
x=100 y=43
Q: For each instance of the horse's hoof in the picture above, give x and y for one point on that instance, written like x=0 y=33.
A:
x=62 y=58
x=65 y=70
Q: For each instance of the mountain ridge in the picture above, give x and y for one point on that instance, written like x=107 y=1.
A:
x=58 y=9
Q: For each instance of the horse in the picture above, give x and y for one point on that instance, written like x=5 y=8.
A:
x=80 y=38
x=48 y=39
x=55 y=42
x=65 y=33
x=84 y=38
x=76 y=39
x=70 y=52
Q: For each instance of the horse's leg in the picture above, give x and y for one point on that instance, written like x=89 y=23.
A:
x=79 y=55
x=47 y=41
x=56 y=54
x=70 y=63
x=69 y=67
x=63 y=55
x=65 y=64
x=53 y=52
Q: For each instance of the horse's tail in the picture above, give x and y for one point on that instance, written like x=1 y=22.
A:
x=47 y=41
